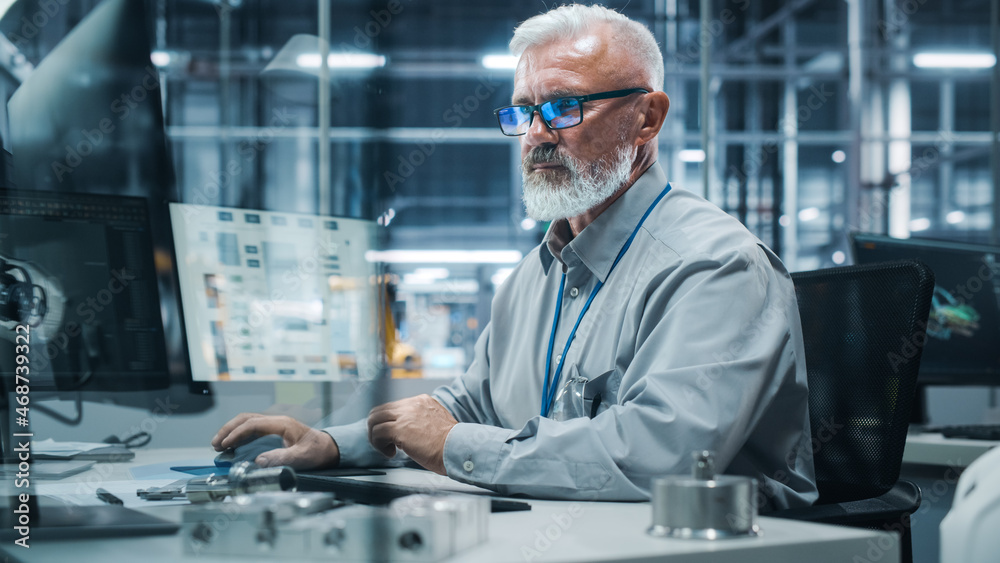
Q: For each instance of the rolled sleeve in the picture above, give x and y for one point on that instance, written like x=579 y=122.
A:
x=472 y=452
x=355 y=449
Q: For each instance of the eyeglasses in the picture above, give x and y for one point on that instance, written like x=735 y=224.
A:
x=560 y=113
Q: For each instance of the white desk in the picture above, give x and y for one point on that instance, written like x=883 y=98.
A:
x=935 y=449
x=591 y=532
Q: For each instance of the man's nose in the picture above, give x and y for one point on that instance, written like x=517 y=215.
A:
x=539 y=133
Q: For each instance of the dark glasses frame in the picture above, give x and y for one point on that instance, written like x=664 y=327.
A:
x=549 y=104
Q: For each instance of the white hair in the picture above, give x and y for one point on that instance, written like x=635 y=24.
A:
x=570 y=21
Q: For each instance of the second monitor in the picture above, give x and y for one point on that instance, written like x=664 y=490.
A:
x=275 y=296
x=963 y=331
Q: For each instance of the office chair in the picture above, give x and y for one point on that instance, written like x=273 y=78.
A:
x=863 y=328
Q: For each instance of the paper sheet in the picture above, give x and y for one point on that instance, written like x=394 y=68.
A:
x=50 y=446
x=85 y=494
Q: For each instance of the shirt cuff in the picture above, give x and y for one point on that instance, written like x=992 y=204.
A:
x=355 y=449
x=472 y=452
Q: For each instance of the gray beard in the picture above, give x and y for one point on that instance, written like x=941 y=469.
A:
x=581 y=187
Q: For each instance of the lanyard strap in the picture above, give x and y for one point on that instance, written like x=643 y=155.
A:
x=549 y=384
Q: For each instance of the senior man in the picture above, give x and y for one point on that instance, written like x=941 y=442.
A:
x=647 y=324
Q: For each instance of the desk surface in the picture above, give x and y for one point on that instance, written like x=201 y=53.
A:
x=551 y=531
x=935 y=449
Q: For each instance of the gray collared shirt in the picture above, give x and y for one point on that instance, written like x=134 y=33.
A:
x=693 y=343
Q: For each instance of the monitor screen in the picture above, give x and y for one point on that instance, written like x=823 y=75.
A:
x=275 y=296
x=78 y=271
x=963 y=331
x=89 y=117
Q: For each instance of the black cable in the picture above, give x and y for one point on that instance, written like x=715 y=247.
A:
x=61 y=417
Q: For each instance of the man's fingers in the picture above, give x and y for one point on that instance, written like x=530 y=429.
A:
x=255 y=427
x=381 y=438
x=381 y=414
x=228 y=427
x=283 y=456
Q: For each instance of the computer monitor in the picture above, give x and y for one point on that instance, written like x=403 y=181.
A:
x=89 y=117
x=89 y=120
x=78 y=271
x=963 y=332
x=276 y=296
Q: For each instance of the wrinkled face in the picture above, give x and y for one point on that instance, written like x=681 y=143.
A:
x=567 y=172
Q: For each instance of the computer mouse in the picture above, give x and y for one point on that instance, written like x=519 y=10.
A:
x=225 y=459
x=249 y=451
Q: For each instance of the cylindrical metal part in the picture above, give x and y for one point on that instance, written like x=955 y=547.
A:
x=723 y=507
x=704 y=465
x=246 y=478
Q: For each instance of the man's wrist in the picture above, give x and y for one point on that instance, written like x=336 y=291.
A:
x=334 y=454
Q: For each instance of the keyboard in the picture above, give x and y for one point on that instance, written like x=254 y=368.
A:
x=970 y=431
x=381 y=494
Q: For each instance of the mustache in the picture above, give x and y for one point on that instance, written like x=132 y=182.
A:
x=543 y=155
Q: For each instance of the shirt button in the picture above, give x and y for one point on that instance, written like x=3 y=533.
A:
x=468 y=466
x=558 y=358
x=573 y=292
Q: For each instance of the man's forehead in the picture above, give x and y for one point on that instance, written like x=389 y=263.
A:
x=560 y=67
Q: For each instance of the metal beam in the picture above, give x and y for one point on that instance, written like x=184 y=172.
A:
x=995 y=121
x=706 y=103
x=761 y=29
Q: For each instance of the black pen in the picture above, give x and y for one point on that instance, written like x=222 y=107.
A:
x=108 y=497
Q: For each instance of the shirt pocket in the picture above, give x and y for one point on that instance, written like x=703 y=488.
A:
x=601 y=391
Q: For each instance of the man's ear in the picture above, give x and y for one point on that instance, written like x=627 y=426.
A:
x=656 y=106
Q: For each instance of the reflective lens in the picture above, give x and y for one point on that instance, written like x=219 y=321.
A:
x=562 y=113
x=558 y=114
x=514 y=120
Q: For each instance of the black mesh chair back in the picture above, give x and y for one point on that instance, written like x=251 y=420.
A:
x=863 y=329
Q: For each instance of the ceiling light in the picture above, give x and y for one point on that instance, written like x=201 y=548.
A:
x=160 y=58
x=955 y=217
x=341 y=60
x=954 y=60
x=691 y=155
x=500 y=62
x=809 y=214
x=444 y=256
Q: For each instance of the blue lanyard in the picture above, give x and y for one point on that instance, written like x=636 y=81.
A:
x=549 y=385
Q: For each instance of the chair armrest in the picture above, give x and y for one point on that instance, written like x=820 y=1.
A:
x=902 y=499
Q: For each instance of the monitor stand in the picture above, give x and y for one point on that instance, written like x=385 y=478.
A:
x=918 y=411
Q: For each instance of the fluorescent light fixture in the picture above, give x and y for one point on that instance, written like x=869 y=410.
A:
x=500 y=62
x=160 y=58
x=426 y=276
x=838 y=156
x=921 y=224
x=691 y=155
x=955 y=217
x=839 y=257
x=341 y=60
x=784 y=220
x=444 y=256
x=808 y=214
x=954 y=60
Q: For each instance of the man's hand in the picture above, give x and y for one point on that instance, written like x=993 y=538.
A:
x=305 y=447
x=418 y=426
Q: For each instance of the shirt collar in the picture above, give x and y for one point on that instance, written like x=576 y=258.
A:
x=598 y=244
